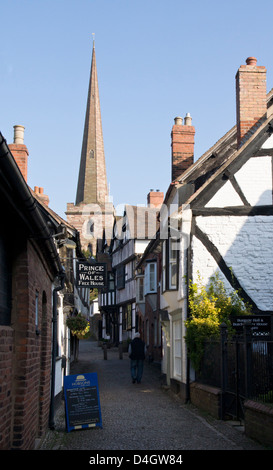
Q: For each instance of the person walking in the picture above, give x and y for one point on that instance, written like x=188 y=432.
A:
x=137 y=352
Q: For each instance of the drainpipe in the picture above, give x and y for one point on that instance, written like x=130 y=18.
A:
x=54 y=349
x=188 y=362
x=187 y=216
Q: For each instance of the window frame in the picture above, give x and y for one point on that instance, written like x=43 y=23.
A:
x=120 y=274
x=37 y=311
x=168 y=262
x=150 y=277
x=140 y=289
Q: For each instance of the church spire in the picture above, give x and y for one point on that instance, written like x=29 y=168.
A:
x=92 y=181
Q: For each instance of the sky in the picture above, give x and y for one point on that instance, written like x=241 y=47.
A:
x=156 y=60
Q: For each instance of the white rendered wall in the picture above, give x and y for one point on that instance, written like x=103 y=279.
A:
x=255 y=181
x=245 y=243
x=226 y=196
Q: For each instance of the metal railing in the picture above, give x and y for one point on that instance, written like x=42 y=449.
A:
x=242 y=367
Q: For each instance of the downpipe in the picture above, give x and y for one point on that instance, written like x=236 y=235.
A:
x=54 y=349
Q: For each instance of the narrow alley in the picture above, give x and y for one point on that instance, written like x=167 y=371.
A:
x=142 y=416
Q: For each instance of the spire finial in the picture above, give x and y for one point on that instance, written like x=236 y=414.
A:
x=93 y=34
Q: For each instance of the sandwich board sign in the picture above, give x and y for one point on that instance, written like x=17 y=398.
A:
x=82 y=403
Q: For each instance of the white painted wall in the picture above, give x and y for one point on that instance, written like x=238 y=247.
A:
x=246 y=245
x=254 y=179
x=226 y=196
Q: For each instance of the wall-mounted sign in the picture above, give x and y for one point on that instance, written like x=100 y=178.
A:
x=91 y=276
x=82 y=403
x=260 y=325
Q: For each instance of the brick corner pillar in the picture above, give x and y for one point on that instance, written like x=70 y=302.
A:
x=182 y=145
x=251 y=104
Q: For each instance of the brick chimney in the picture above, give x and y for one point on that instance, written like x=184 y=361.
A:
x=155 y=198
x=19 y=150
x=251 y=106
x=182 y=145
x=40 y=193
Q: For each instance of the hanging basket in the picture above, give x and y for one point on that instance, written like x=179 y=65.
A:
x=78 y=326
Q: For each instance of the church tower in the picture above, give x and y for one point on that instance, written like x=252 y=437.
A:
x=92 y=213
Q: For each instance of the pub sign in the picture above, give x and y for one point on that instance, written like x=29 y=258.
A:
x=91 y=275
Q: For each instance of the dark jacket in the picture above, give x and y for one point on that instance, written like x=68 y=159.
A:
x=137 y=349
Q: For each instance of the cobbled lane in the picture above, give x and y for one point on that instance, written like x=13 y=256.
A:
x=142 y=416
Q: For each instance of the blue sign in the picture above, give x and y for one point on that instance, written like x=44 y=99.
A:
x=82 y=403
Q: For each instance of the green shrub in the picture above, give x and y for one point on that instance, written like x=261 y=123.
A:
x=209 y=307
x=266 y=397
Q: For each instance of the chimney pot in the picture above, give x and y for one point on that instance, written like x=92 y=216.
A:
x=251 y=61
x=40 y=193
x=18 y=135
x=187 y=120
x=178 y=121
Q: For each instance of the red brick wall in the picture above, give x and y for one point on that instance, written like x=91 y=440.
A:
x=6 y=353
x=259 y=422
x=206 y=398
x=25 y=383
